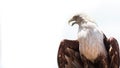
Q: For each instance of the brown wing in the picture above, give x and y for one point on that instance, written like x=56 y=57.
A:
x=68 y=54
x=114 y=53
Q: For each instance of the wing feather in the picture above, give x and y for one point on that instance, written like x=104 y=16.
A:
x=114 y=53
x=68 y=54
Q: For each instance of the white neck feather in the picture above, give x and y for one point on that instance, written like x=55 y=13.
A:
x=90 y=39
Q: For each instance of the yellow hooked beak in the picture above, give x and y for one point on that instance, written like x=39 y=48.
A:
x=72 y=21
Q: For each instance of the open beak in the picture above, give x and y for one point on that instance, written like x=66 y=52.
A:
x=72 y=21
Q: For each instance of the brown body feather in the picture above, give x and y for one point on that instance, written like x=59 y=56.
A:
x=69 y=55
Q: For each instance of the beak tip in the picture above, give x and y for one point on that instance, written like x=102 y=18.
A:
x=71 y=20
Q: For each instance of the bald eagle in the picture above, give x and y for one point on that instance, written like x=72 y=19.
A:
x=91 y=49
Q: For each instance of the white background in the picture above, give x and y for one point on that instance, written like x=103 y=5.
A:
x=31 y=30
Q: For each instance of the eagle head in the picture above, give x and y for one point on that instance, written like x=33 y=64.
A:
x=77 y=19
x=80 y=19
